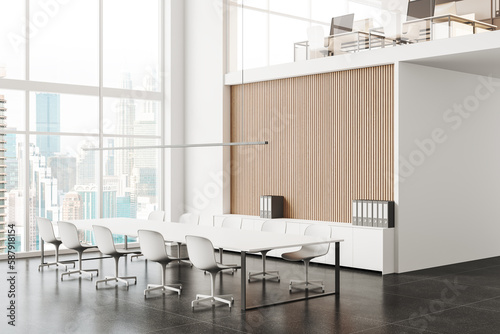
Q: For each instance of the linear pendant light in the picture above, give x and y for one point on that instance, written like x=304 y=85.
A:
x=177 y=146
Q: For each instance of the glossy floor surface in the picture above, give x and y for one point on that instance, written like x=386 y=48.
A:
x=461 y=298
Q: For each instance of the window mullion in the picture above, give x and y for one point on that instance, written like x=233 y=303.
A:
x=27 y=220
x=101 y=111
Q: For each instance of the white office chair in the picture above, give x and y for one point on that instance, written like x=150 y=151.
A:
x=231 y=222
x=153 y=248
x=156 y=215
x=234 y=223
x=394 y=14
x=274 y=226
x=307 y=253
x=186 y=218
x=69 y=238
x=47 y=234
x=201 y=252
x=316 y=42
x=104 y=240
x=189 y=218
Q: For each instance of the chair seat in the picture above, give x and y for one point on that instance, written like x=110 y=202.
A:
x=57 y=241
x=300 y=255
x=84 y=247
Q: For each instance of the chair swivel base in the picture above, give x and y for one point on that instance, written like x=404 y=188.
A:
x=171 y=287
x=116 y=279
x=226 y=299
x=234 y=268
x=306 y=285
x=187 y=262
x=80 y=272
x=136 y=256
x=64 y=264
x=273 y=274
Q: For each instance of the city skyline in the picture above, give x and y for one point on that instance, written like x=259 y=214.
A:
x=63 y=183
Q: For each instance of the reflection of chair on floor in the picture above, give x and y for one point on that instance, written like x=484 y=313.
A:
x=307 y=253
x=201 y=253
x=276 y=226
x=153 y=248
x=70 y=239
x=156 y=215
x=104 y=241
x=46 y=231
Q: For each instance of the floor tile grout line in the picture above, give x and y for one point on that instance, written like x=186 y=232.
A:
x=427 y=314
x=438 y=276
x=372 y=328
x=200 y=322
x=403 y=295
x=481 y=301
x=368 y=329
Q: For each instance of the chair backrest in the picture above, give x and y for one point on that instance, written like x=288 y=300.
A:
x=316 y=37
x=232 y=222
x=46 y=229
x=157 y=215
x=363 y=25
x=420 y=9
x=104 y=239
x=394 y=13
x=446 y=9
x=201 y=252
x=341 y=24
x=275 y=226
x=318 y=231
x=69 y=235
x=190 y=218
x=152 y=245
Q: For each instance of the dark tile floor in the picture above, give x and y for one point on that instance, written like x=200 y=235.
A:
x=461 y=298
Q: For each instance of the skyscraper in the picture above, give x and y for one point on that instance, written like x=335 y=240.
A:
x=125 y=118
x=48 y=119
x=86 y=165
x=72 y=206
x=63 y=168
x=88 y=195
x=110 y=159
x=11 y=161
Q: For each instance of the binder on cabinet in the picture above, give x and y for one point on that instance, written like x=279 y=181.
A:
x=271 y=206
x=360 y=213
x=373 y=213
x=365 y=213
x=354 y=213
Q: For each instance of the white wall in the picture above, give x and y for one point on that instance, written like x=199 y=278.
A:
x=448 y=189
x=205 y=107
x=174 y=109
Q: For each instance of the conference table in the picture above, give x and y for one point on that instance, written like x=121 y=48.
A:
x=243 y=241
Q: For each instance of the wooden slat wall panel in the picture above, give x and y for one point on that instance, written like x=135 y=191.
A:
x=330 y=139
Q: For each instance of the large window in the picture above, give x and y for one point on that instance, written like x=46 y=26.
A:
x=82 y=74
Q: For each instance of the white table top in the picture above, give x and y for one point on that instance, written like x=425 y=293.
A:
x=231 y=239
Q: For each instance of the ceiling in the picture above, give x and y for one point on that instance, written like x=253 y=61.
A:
x=484 y=62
